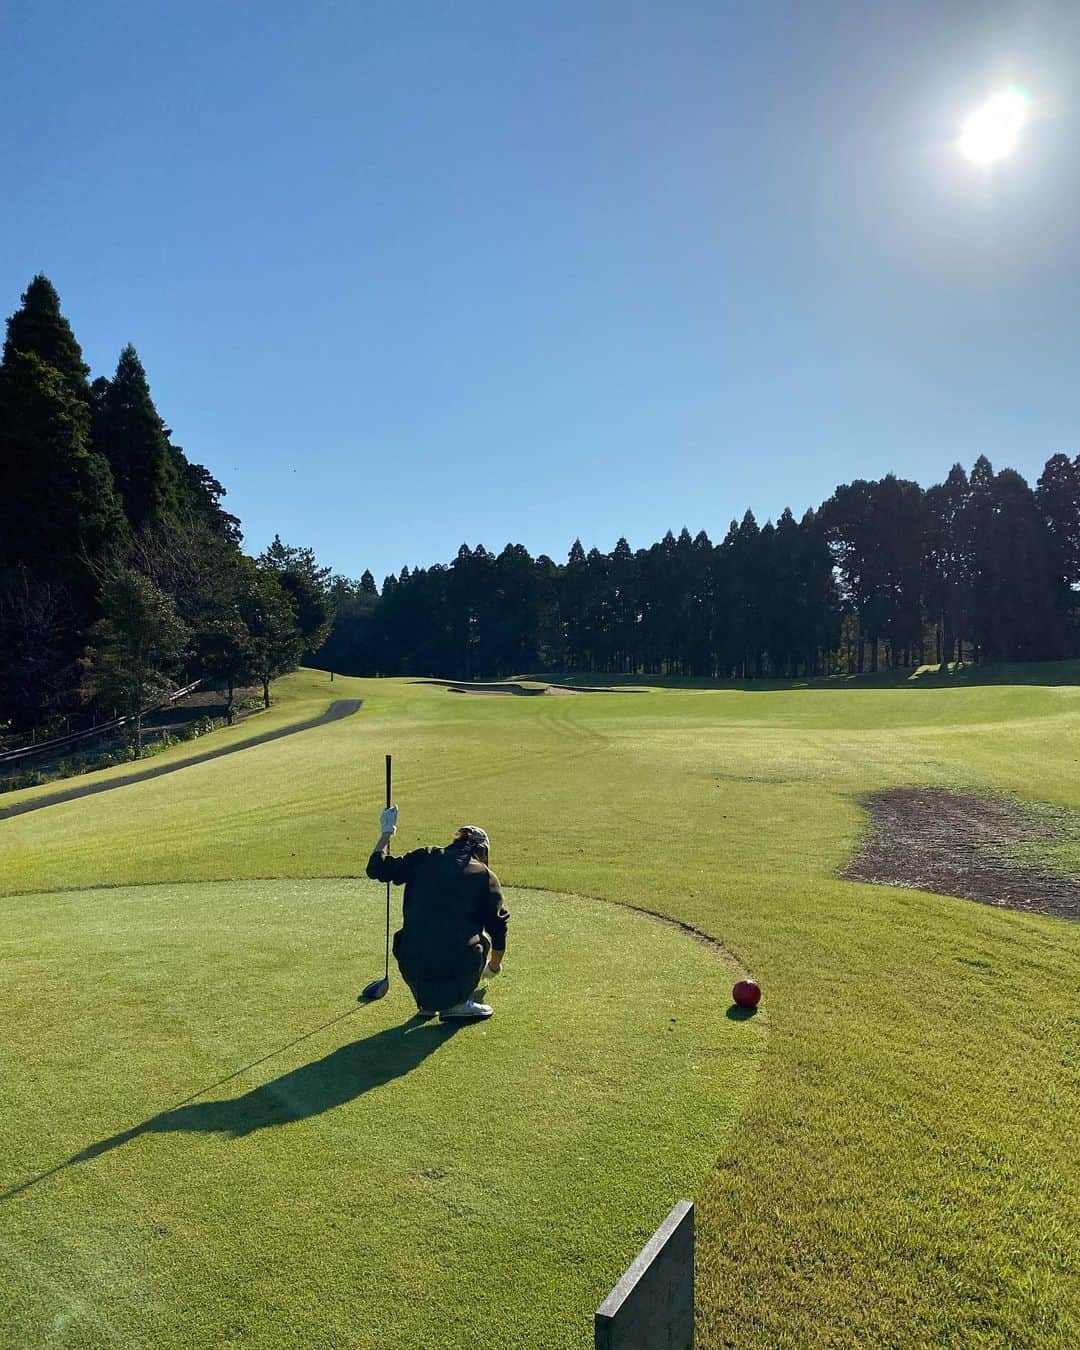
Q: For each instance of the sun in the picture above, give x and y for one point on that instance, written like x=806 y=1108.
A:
x=991 y=131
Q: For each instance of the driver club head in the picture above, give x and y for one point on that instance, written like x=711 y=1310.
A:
x=376 y=989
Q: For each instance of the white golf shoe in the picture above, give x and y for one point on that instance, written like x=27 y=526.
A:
x=466 y=1011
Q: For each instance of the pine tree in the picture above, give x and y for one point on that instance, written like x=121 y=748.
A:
x=977 y=532
x=201 y=494
x=129 y=433
x=39 y=329
x=1058 y=496
x=309 y=585
x=58 y=511
x=947 y=563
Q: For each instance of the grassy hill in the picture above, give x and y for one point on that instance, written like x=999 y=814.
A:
x=903 y=1166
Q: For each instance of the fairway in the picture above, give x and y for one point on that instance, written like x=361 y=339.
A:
x=887 y=1155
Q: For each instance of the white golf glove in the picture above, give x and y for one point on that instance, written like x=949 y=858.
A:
x=388 y=820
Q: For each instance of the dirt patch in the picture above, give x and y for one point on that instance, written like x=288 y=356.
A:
x=931 y=839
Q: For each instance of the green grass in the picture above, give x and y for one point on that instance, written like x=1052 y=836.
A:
x=305 y=694
x=905 y=1171
x=363 y=1185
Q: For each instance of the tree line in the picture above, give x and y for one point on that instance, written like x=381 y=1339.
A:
x=121 y=573
x=980 y=567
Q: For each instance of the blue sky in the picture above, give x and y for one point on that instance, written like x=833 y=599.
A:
x=404 y=275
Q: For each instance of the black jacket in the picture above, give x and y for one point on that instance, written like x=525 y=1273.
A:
x=451 y=902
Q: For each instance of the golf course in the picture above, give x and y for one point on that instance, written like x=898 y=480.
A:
x=207 y=1141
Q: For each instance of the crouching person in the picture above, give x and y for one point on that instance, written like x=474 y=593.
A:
x=454 y=920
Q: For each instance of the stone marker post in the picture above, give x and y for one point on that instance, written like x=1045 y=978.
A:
x=652 y=1306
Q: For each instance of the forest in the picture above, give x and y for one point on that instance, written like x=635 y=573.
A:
x=122 y=575
x=980 y=567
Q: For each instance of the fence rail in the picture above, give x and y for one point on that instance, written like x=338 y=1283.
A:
x=59 y=742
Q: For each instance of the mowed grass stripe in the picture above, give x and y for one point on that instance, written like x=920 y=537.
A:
x=906 y=1173
x=372 y=1180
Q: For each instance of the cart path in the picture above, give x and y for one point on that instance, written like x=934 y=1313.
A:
x=344 y=707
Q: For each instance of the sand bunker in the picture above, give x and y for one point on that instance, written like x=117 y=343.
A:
x=527 y=690
x=520 y=690
x=972 y=847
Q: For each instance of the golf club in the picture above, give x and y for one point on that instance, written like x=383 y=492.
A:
x=377 y=988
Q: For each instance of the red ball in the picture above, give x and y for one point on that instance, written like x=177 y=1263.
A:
x=747 y=993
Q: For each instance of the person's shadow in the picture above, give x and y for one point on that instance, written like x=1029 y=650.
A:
x=337 y=1078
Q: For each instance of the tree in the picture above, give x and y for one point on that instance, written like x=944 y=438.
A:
x=39 y=649
x=947 y=563
x=624 y=606
x=1058 y=497
x=137 y=646
x=308 y=584
x=275 y=642
x=39 y=329
x=184 y=557
x=58 y=511
x=876 y=531
x=742 y=560
x=201 y=493
x=976 y=529
x=225 y=655
x=129 y=433
x=59 y=515
x=1022 y=570
x=573 y=606
x=817 y=618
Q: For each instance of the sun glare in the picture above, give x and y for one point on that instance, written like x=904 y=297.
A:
x=991 y=131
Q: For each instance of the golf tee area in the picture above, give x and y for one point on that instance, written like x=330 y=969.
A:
x=205 y=1140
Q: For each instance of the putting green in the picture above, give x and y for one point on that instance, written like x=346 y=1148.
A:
x=234 y=1151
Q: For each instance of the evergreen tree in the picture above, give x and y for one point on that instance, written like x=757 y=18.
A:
x=976 y=529
x=947 y=562
x=818 y=613
x=200 y=494
x=1022 y=571
x=58 y=511
x=39 y=329
x=623 y=606
x=573 y=603
x=899 y=526
x=129 y=433
x=1058 y=496
x=743 y=564
x=137 y=646
x=275 y=639
x=308 y=584
x=516 y=618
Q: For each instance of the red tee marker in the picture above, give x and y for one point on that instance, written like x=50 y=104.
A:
x=747 y=993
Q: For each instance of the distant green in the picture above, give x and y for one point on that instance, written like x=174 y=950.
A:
x=904 y=1169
